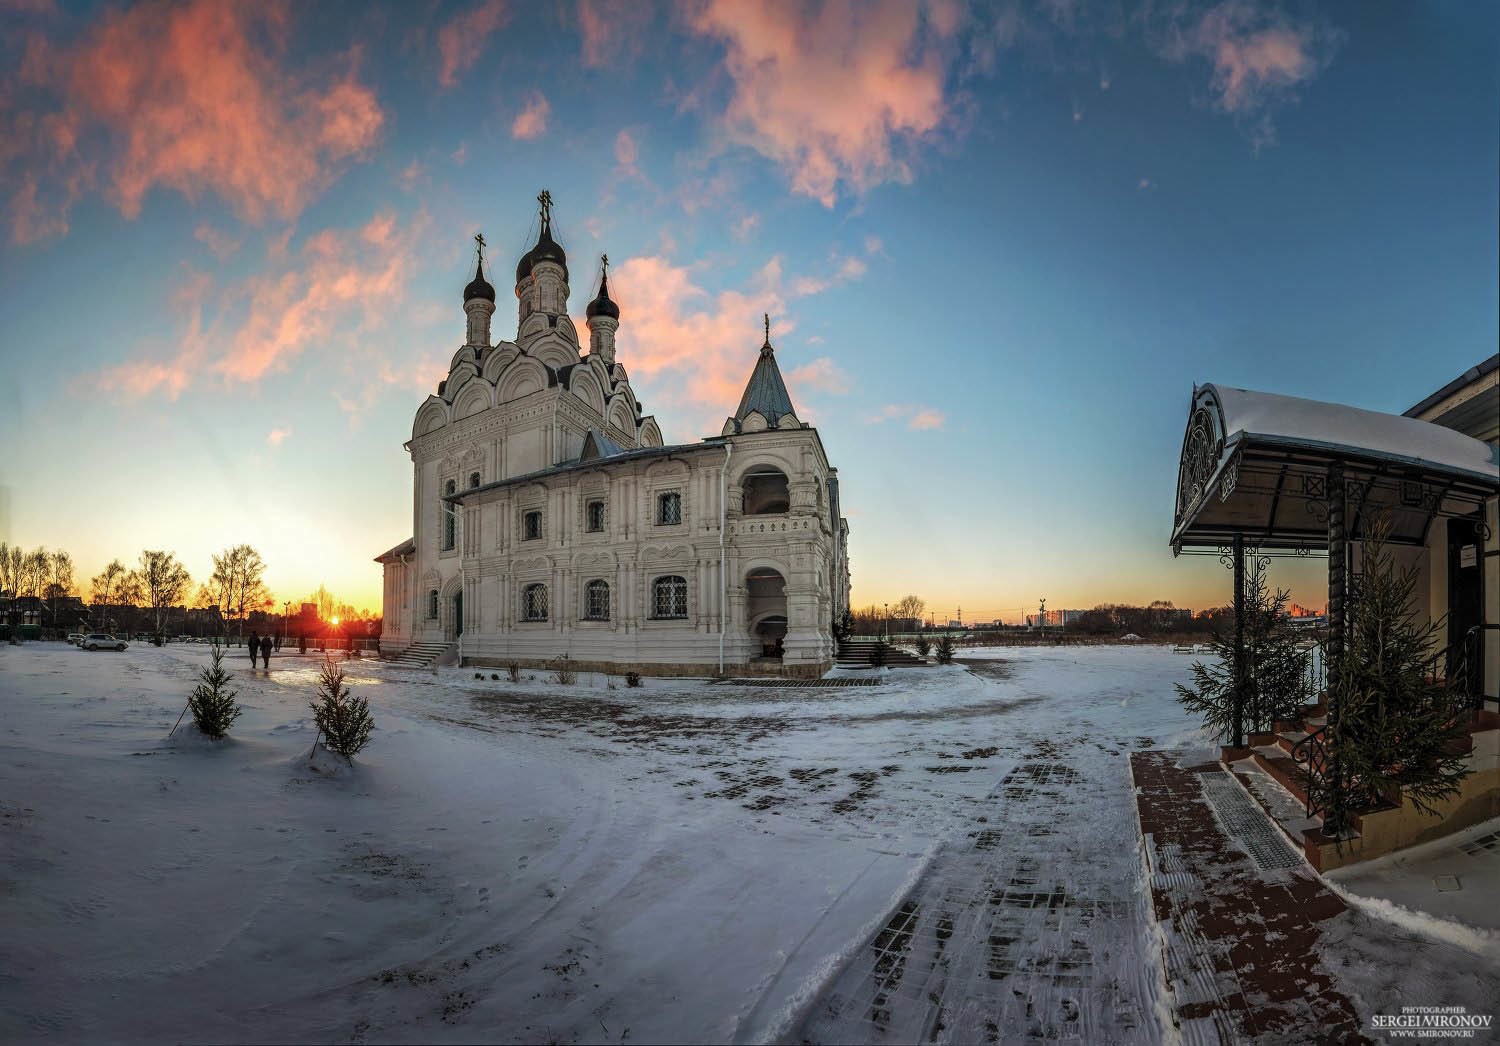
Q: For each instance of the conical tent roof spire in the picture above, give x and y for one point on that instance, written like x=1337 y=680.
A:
x=766 y=392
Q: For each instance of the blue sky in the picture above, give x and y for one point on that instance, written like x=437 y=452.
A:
x=999 y=244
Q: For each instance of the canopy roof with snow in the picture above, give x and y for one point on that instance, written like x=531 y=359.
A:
x=1256 y=464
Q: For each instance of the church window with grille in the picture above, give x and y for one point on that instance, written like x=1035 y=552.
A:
x=432 y=604
x=531 y=526
x=534 y=603
x=450 y=518
x=473 y=480
x=669 y=509
x=669 y=597
x=595 y=514
x=596 y=601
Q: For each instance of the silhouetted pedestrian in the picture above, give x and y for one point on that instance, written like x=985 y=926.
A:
x=254 y=649
x=265 y=651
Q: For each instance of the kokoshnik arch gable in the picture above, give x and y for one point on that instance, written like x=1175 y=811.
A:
x=549 y=518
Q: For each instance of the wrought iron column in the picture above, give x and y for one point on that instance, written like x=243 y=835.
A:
x=1338 y=569
x=1239 y=641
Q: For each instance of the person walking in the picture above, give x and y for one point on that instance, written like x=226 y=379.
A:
x=254 y=649
x=265 y=651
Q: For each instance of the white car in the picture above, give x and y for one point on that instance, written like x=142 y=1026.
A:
x=101 y=640
x=75 y=638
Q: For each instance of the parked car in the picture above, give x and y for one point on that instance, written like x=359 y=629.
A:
x=102 y=640
x=75 y=638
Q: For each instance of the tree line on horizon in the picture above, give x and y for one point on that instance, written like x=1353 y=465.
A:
x=1159 y=617
x=158 y=585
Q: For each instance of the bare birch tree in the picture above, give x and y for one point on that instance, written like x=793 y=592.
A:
x=162 y=581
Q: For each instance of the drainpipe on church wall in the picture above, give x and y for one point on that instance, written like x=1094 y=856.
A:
x=723 y=573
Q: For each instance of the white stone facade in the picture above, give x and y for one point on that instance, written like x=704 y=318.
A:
x=549 y=519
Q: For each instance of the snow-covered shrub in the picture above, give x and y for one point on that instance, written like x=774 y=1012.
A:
x=632 y=679
x=945 y=650
x=563 y=672
x=212 y=704
x=343 y=720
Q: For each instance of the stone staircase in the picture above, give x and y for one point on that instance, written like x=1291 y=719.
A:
x=1375 y=830
x=864 y=653
x=418 y=655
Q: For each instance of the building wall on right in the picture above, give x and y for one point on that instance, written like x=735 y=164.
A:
x=1470 y=404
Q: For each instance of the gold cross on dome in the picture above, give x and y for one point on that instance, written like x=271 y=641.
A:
x=767 y=317
x=479 y=244
x=604 y=262
x=545 y=199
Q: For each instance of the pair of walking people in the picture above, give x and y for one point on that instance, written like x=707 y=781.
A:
x=261 y=646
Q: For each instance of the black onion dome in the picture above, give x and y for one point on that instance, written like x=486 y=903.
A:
x=603 y=305
x=479 y=287
x=546 y=249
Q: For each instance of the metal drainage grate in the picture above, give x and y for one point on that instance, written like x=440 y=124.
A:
x=1248 y=824
x=799 y=684
x=1485 y=845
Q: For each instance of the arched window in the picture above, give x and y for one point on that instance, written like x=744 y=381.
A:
x=669 y=597
x=473 y=480
x=531 y=526
x=669 y=509
x=432 y=604
x=596 y=601
x=450 y=517
x=534 y=603
x=765 y=491
x=595 y=523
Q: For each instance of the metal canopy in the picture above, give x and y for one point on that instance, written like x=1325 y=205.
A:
x=1257 y=465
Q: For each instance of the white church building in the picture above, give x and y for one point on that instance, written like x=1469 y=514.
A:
x=550 y=519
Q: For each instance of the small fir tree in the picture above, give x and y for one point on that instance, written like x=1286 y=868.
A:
x=343 y=720
x=877 y=654
x=924 y=645
x=1396 y=730
x=1275 y=666
x=945 y=650
x=212 y=704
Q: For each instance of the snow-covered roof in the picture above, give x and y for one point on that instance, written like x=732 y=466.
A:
x=1256 y=464
x=406 y=548
x=1267 y=417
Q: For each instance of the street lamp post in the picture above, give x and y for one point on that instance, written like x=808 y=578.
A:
x=887 y=622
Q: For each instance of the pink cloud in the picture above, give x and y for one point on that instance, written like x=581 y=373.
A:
x=219 y=243
x=692 y=348
x=838 y=93
x=627 y=156
x=611 y=30
x=1259 y=58
x=461 y=40
x=190 y=97
x=276 y=437
x=327 y=295
x=916 y=417
x=821 y=374
x=531 y=121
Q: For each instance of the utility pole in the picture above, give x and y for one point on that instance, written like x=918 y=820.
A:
x=1041 y=616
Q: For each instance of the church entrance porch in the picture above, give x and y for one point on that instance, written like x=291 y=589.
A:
x=765 y=609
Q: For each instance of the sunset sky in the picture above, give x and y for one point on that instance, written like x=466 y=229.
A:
x=998 y=244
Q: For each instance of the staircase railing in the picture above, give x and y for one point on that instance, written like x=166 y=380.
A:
x=1312 y=752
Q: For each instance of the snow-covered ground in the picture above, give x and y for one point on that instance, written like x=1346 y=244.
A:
x=535 y=862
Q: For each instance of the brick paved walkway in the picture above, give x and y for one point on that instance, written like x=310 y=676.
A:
x=1240 y=934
